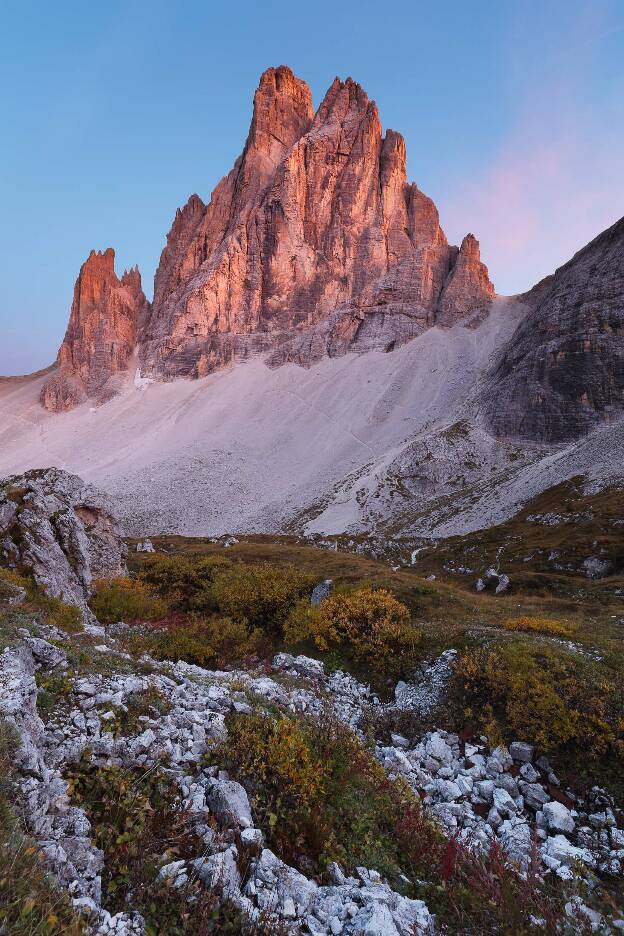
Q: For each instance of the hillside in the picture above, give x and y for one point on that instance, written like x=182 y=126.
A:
x=263 y=737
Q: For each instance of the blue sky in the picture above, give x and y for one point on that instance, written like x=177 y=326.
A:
x=113 y=113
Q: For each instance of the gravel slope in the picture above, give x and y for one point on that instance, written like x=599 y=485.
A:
x=252 y=448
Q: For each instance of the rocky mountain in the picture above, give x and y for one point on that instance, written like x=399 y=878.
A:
x=562 y=372
x=314 y=244
x=101 y=335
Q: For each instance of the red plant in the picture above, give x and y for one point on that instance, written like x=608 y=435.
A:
x=449 y=859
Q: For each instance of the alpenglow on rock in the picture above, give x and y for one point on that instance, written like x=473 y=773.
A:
x=61 y=531
x=314 y=244
x=101 y=335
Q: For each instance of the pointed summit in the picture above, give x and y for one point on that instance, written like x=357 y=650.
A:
x=314 y=243
x=316 y=223
x=282 y=112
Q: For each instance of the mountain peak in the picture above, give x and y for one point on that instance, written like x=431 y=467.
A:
x=313 y=244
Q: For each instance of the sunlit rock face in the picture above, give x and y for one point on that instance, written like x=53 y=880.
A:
x=101 y=335
x=562 y=372
x=314 y=244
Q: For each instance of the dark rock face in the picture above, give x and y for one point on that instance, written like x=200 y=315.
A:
x=59 y=529
x=563 y=370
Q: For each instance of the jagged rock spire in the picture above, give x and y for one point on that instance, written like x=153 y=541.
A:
x=102 y=331
x=314 y=243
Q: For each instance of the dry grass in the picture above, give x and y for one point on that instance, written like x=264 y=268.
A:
x=539 y=625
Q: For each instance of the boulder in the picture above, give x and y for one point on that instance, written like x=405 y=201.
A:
x=46 y=654
x=220 y=871
x=535 y=795
x=515 y=839
x=438 y=748
x=301 y=665
x=145 y=546
x=374 y=920
x=558 y=817
x=559 y=849
x=321 y=591
x=278 y=887
x=61 y=531
x=229 y=802
x=522 y=752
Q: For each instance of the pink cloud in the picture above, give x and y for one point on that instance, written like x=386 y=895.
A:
x=557 y=178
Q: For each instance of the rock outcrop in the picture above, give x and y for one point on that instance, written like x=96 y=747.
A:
x=315 y=243
x=562 y=372
x=61 y=531
x=101 y=335
x=478 y=795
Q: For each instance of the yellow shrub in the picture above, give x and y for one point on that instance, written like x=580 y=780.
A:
x=11 y=577
x=319 y=795
x=66 y=617
x=55 y=612
x=549 y=697
x=541 y=625
x=370 y=625
x=276 y=753
x=11 y=584
x=125 y=599
x=301 y=623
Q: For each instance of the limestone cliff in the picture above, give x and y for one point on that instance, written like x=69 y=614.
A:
x=562 y=372
x=314 y=244
x=101 y=335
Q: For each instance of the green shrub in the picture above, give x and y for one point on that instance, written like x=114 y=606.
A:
x=185 y=581
x=55 y=612
x=321 y=796
x=263 y=595
x=371 y=626
x=9 y=581
x=219 y=641
x=148 y=702
x=318 y=793
x=52 y=689
x=549 y=696
x=125 y=599
x=66 y=617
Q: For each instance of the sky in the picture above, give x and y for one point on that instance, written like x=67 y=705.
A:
x=112 y=114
